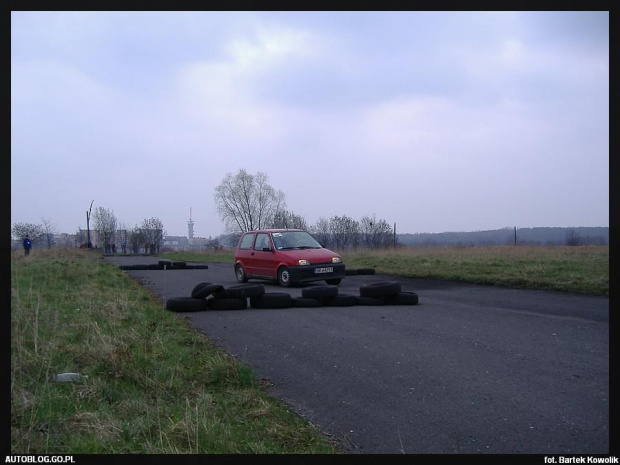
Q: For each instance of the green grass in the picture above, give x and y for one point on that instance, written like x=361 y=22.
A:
x=582 y=270
x=154 y=385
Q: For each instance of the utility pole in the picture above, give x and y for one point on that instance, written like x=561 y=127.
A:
x=88 y=244
x=515 y=235
x=394 y=235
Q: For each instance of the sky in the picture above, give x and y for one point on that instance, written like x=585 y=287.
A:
x=432 y=121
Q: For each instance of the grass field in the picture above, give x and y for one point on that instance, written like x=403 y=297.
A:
x=156 y=386
x=583 y=270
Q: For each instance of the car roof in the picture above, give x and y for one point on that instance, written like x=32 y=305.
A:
x=272 y=230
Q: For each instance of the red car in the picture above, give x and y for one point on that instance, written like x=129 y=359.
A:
x=288 y=256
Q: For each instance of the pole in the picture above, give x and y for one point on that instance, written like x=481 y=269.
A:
x=394 y=235
x=88 y=244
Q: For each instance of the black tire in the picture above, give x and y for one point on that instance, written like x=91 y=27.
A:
x=140 y=267
x=333 y=282
x=302 y=302
x=155 y=267
x=189 y=267
x=231 y=294
x=227 y=303
x=196 y=291
x=179 y=264
x=272 y=300
x=403 y=298
x=240 y=274
x=380 y=289
x=186 y=304
x=166 y=263
x=201 y=267
x=341 y=300
x=365 y=271
x=349 y=272
x=370 y=301
x=319 y=292
x=284 y=277
x=209 y=289
x=126 y=267
x=250 y=290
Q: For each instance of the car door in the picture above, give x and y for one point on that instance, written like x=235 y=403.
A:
x=245 y=253
x=263 y=256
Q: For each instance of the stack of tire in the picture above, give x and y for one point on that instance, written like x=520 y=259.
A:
x=164 y=264
x=209 y=296
x=378 y=293
x=386 y=293
x=323 y=296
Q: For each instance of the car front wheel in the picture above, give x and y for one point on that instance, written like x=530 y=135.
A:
x=284 y=277
x=240 y=274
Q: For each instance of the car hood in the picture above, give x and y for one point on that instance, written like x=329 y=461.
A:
x=312 y=255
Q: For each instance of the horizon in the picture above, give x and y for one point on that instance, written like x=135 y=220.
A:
x=507 y=228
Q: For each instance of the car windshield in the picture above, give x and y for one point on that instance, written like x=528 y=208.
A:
x=286 y=240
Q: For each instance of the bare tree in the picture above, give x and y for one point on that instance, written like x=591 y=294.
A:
x=105 y=223
x=48 y=230
x=321 y=232
x=153 y=234
x=247 y=202
x=376 y=234
x=21 y=230
x=288 y=220
x=136 y=239
x=345 y=231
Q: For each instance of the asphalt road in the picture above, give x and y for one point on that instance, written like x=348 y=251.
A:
x=470 y=369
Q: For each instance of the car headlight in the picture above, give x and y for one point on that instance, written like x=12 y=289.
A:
x=303 y=262
x=336 y=260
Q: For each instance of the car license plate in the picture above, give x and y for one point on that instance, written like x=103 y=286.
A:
x=328 y=269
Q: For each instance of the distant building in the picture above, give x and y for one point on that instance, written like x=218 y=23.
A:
x=176 y=242
x=81 y=237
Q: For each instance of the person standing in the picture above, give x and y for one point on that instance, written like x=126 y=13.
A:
x=27 y=245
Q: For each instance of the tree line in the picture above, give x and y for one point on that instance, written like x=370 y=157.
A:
x=246 y=202
x=538 y=236
x=111 y=235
